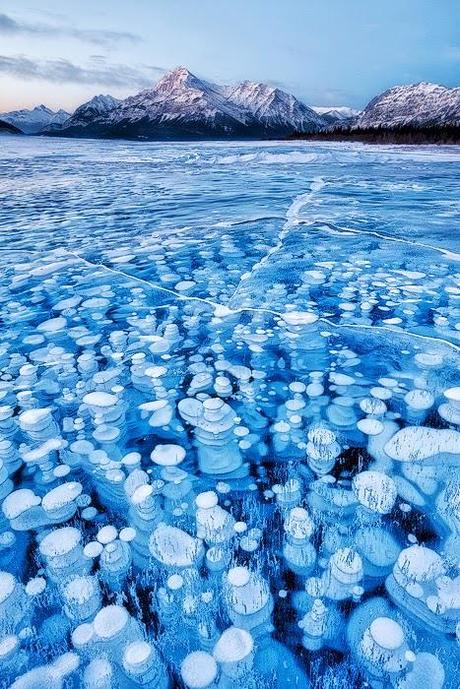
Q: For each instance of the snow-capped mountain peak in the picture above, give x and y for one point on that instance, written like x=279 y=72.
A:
x=89 y=112
x=342 y=112
x=42 y=108
x=98 y=105
x=178 y=78
x=179 y=101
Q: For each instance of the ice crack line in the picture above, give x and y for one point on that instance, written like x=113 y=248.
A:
x=222 y=311
x=292 y=219
x=393 y=332
x=452 y=255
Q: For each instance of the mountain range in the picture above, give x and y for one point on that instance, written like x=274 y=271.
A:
x=35 y=120
x=183 y=106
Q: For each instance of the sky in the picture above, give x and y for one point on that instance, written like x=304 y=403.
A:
x=326 y=52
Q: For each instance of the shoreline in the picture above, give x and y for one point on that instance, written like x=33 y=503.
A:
x=369 y=137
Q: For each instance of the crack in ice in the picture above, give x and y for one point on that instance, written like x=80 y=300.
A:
x=452 y=255
x=291 y=220
x=222 y=311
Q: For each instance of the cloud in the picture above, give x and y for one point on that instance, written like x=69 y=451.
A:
x=10 y=26
x=63 y=71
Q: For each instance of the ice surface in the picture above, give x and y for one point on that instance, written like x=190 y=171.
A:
x=229 y=415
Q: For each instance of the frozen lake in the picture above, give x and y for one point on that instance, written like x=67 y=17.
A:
x=229 y=414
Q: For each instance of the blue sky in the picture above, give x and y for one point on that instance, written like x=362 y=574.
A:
x=327 y=52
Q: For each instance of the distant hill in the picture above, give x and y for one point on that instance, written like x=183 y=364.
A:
x=35 y=120
x=87 y=113
x=336 y=115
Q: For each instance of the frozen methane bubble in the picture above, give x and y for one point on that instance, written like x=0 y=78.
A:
x=383 y=647
x=322 y=450
x=174 y=548
x=38 y=424
x=62 y=552
x=115 y=563
x=248 y=598
x=425 y=671
x=343 y=574
x=299 y=553
x=375 y=491
x=450 y=410
x=143 y=665
x=370 y=426
x=115 y=628
x=418 y=402
x=51 y=676
x=213 y=524
x=52 y=325
x=420 y=585
x=418 y=564
x=213 y=421
x=98 y=674
x=168 y=455
x=306 y=346
x=82 y=598
x=424 y=444
x=234 y=652
x=59 y=503
x=199 y=670
x=21 y=508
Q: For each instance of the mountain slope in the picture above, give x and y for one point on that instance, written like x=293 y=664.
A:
x=273 y=109
x=94 y=109
x=35 y=120
x=7 y=128
x=417 y=105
